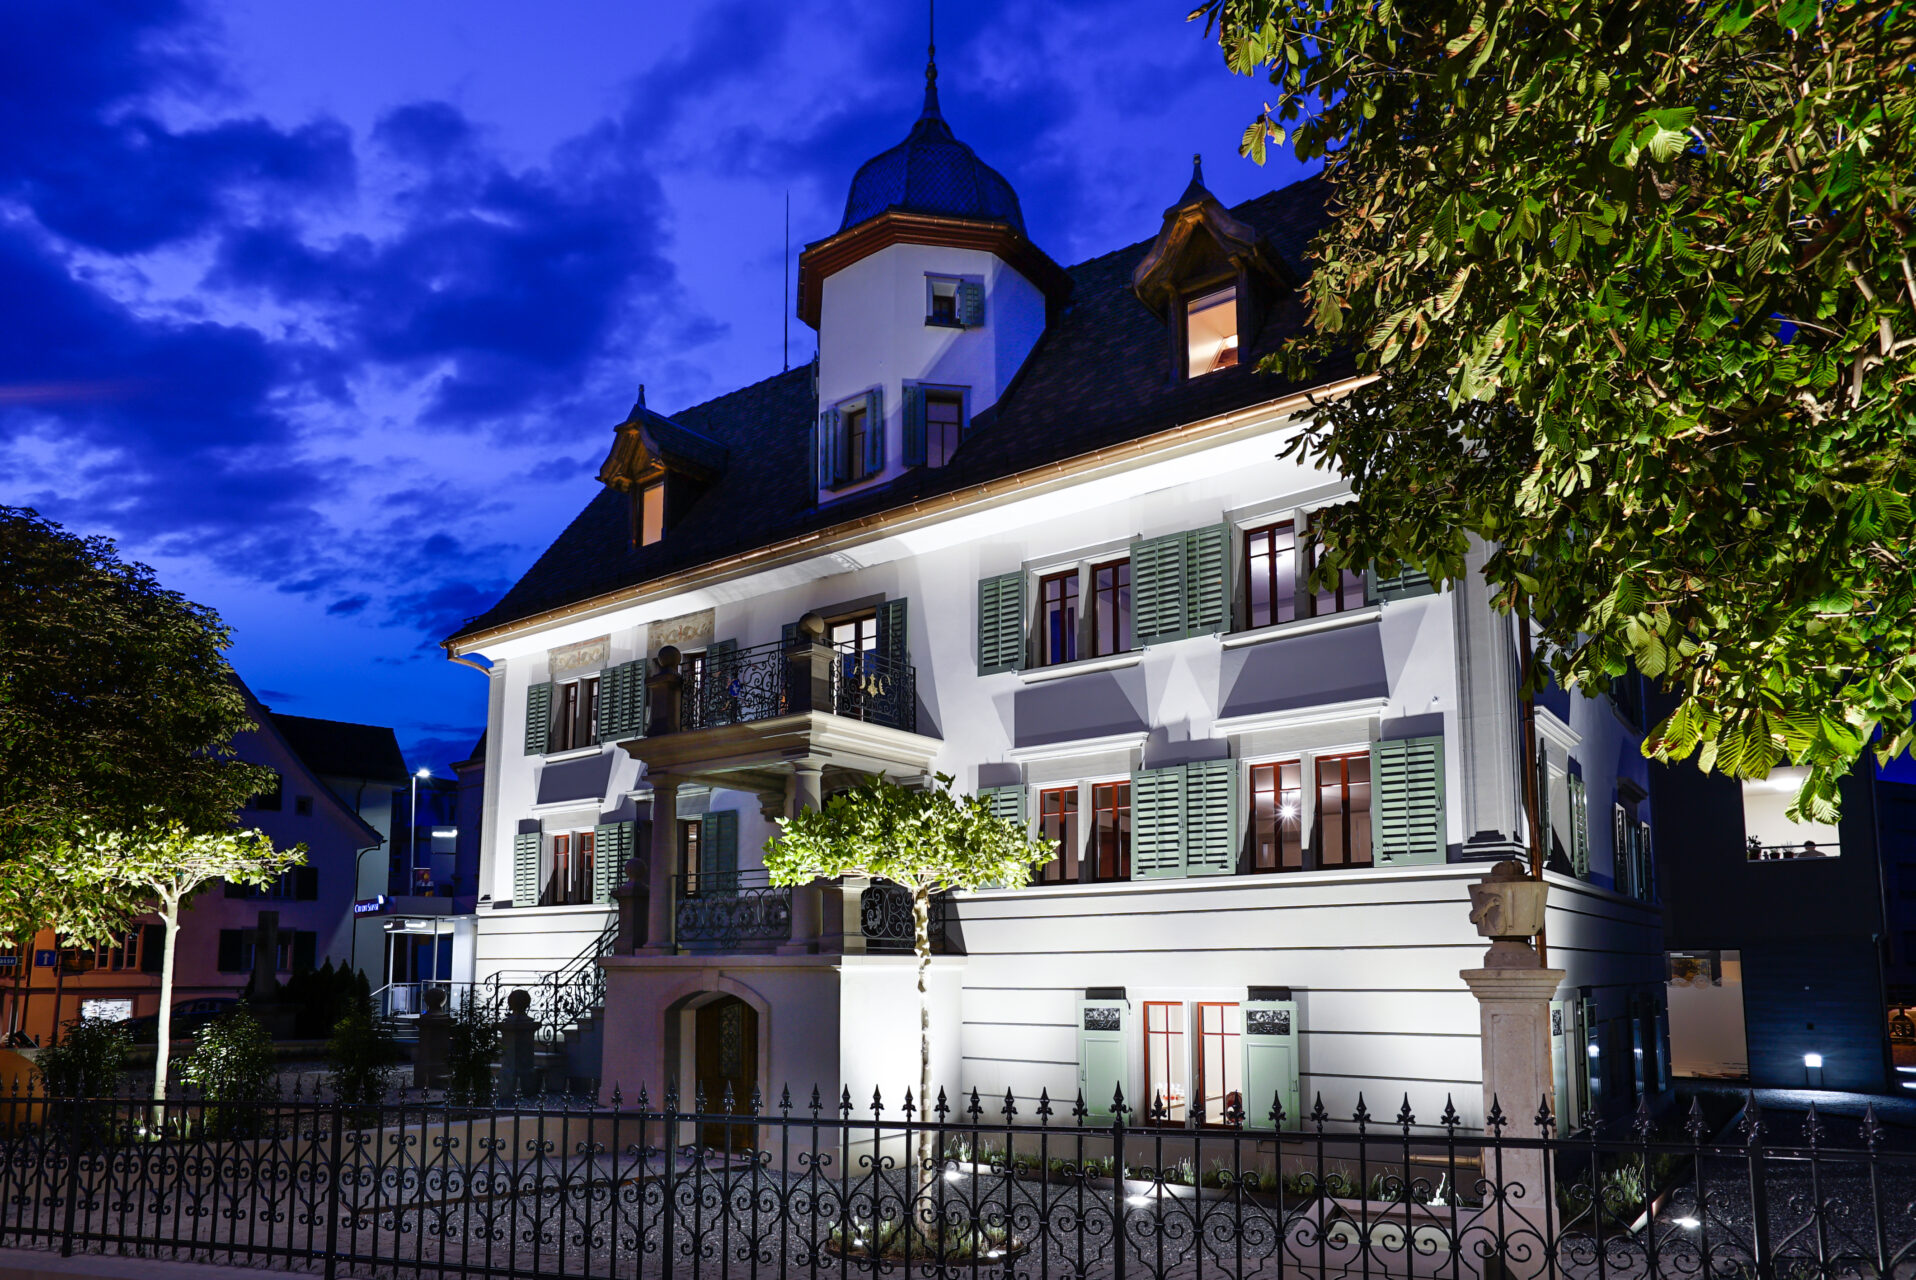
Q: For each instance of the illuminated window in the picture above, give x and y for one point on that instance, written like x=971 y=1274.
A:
x=1220 y=1067
x=1768 y=833
x=691 y=831
x=1343 y=810
x=1058 y=823
x=1167 y=1065
x=1270 y=574
x=651 y=513
x=1277 y=816
x=1211 y=332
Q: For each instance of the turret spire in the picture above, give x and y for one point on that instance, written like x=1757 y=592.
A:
x=931 y=62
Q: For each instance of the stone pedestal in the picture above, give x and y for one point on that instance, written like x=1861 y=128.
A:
x=433 y=1051
x=659 y=906
x=1514 y=991
x=518 y=1072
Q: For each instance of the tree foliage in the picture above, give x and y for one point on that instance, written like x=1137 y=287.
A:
x=116 y=702
x=1637 y=279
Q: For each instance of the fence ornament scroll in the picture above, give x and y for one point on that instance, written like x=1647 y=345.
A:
x=1017 y=1187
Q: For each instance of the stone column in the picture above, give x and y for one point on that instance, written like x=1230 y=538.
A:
x=518 y=1073
x=1489 y=728
x=1514 y=991
x=660 y=907
x=808 y=900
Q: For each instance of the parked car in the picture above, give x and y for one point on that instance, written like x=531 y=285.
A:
x=188 y=1017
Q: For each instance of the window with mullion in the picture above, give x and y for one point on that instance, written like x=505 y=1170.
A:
x=570 y=880
x=1220 y=1065
x=1277 y=816
x=1058 y=823
x=1167 y=1066
x=1270 y=574
x=1343 y=834
x=575 y=714
x=944 y=425
x=691 y=831
x=1339 y=596
x=1111 y=826
x=1110 y=608
x=853 y=434
x=1058 y=617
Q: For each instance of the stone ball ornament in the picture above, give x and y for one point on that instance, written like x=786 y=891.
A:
x=1507 y=907
x=435 y=999
x=519 y=1001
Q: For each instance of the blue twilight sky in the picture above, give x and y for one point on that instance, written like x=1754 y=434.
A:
x=326 y=308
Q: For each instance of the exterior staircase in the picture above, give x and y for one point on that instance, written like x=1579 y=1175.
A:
x=569 y=1005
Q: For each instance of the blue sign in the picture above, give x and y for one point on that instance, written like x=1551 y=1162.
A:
x=7 y=962
x=45 y=959
x=370 y=906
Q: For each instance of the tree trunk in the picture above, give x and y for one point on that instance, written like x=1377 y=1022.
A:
x=921 y=945
x=170 y=922
x=59 y=988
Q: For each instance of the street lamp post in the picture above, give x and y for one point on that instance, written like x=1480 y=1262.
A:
x=412 y=836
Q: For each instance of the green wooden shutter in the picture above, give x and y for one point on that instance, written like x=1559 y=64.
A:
x=1103 y=1069
x=1407 y=799
x=1158 y=575
x=718 y=851
x=914 y=425
x=1401 y=585
x=1005 y=802
x=1001 y=623
x=874 y=431
x=525 y=869
x=1560 y=1094
x=611 y=850
x=893 y=636
x=538 y=718
x=1157 y=823
x=831 y=450
x=1210 y=818
x=1207 y=579
x=622 y=701
x=1270 y=1062
x=1579 y=828
x=971 y=303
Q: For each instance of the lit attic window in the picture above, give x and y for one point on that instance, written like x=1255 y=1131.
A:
x=1211 y=332
x=651 y=513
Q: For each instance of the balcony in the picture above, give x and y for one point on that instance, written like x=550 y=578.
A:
x=768 y=681
x=744 y=912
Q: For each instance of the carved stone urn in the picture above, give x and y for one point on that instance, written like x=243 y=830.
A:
x=1507 y=907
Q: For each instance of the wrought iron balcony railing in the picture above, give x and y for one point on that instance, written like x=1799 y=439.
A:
x=770 y=680
x=1757 y=851
x=721 y=911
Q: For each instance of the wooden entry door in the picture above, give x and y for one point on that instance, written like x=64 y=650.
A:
x=725 y=1053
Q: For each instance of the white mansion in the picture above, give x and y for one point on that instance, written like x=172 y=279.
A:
x=1026 y=525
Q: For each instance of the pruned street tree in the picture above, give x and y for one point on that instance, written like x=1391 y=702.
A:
x=160 y=867
x=927 y=840
x=1637 y=281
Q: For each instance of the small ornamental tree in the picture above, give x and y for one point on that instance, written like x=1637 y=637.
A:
x=161 y=868
x=927 y=840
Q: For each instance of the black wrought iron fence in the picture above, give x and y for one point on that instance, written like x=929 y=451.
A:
x=1010 y=1187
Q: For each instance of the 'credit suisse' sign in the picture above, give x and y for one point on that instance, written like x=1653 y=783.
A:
x=370 y=906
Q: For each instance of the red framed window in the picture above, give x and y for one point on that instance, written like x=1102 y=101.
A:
x=1110 y=608
x=1343 y=810
x=1220 y=1065
x=571 y=878
x=1058 y=822
x=1167 y=1063
x=1270 y=574
x=1277 y=816
x=1111 y=826
x=1058 y=617
x=1347 y=592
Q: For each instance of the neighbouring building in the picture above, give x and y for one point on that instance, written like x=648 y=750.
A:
x=214 y=954
x=1030 y=526
x=1790 y=943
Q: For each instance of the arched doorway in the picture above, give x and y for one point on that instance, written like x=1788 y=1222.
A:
x=725 y=1053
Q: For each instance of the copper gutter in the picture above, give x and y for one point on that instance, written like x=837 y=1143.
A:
x=897 y=518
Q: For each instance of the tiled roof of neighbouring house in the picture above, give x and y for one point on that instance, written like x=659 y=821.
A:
x=1100 y=376
x=339 y=749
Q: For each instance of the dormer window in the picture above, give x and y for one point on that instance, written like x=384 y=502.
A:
x=952 y=302
x=651 y=513
x=1211 y=331
x=944 y=424
x=856 y=422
